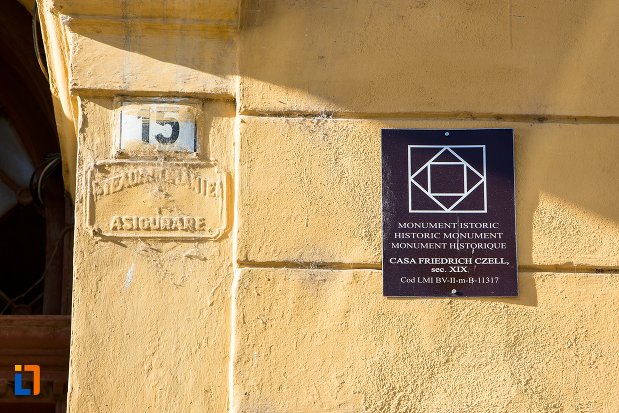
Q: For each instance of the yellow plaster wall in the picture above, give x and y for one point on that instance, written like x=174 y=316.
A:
x=136 y=55
x=326 y=207
x=318 y=82
x=150 y=326
x=452 y=56
x=327 y=341
x=285 y=312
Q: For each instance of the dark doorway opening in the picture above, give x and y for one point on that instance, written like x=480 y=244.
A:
x=36 y=222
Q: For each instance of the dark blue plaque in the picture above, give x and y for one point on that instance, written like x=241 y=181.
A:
x=449 y=226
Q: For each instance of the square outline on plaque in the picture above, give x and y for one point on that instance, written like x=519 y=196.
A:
x=120 y=153
x=443 y=209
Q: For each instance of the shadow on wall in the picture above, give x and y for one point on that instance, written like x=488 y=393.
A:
x=408 y=57
x=567 y=195
x=426 y=56
x=503 y=60
x=493 y=60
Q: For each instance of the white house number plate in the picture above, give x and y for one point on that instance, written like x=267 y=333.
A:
x=146 y=126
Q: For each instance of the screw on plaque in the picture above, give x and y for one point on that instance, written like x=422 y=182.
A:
x=455 y=292
x=446 y=133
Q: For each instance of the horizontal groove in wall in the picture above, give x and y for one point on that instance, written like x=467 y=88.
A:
x=88 y=92
x=569 y=269
x=496 y=117
x=309 y=265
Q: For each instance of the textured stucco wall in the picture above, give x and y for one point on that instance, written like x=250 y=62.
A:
x=285 y=313
x=150 y=327
x=318 y=82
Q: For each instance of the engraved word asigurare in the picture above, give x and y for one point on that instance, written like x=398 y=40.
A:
x=156 y=199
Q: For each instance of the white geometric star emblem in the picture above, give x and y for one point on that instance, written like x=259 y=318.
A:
x=443 y=178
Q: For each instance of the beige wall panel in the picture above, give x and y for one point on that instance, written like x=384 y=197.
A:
x=150 y=326
x=134 y=59
x=188 y=10
x=310 y=190
x=492 y=56
x=327 y=341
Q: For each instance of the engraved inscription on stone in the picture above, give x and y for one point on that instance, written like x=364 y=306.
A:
x=156 y=199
